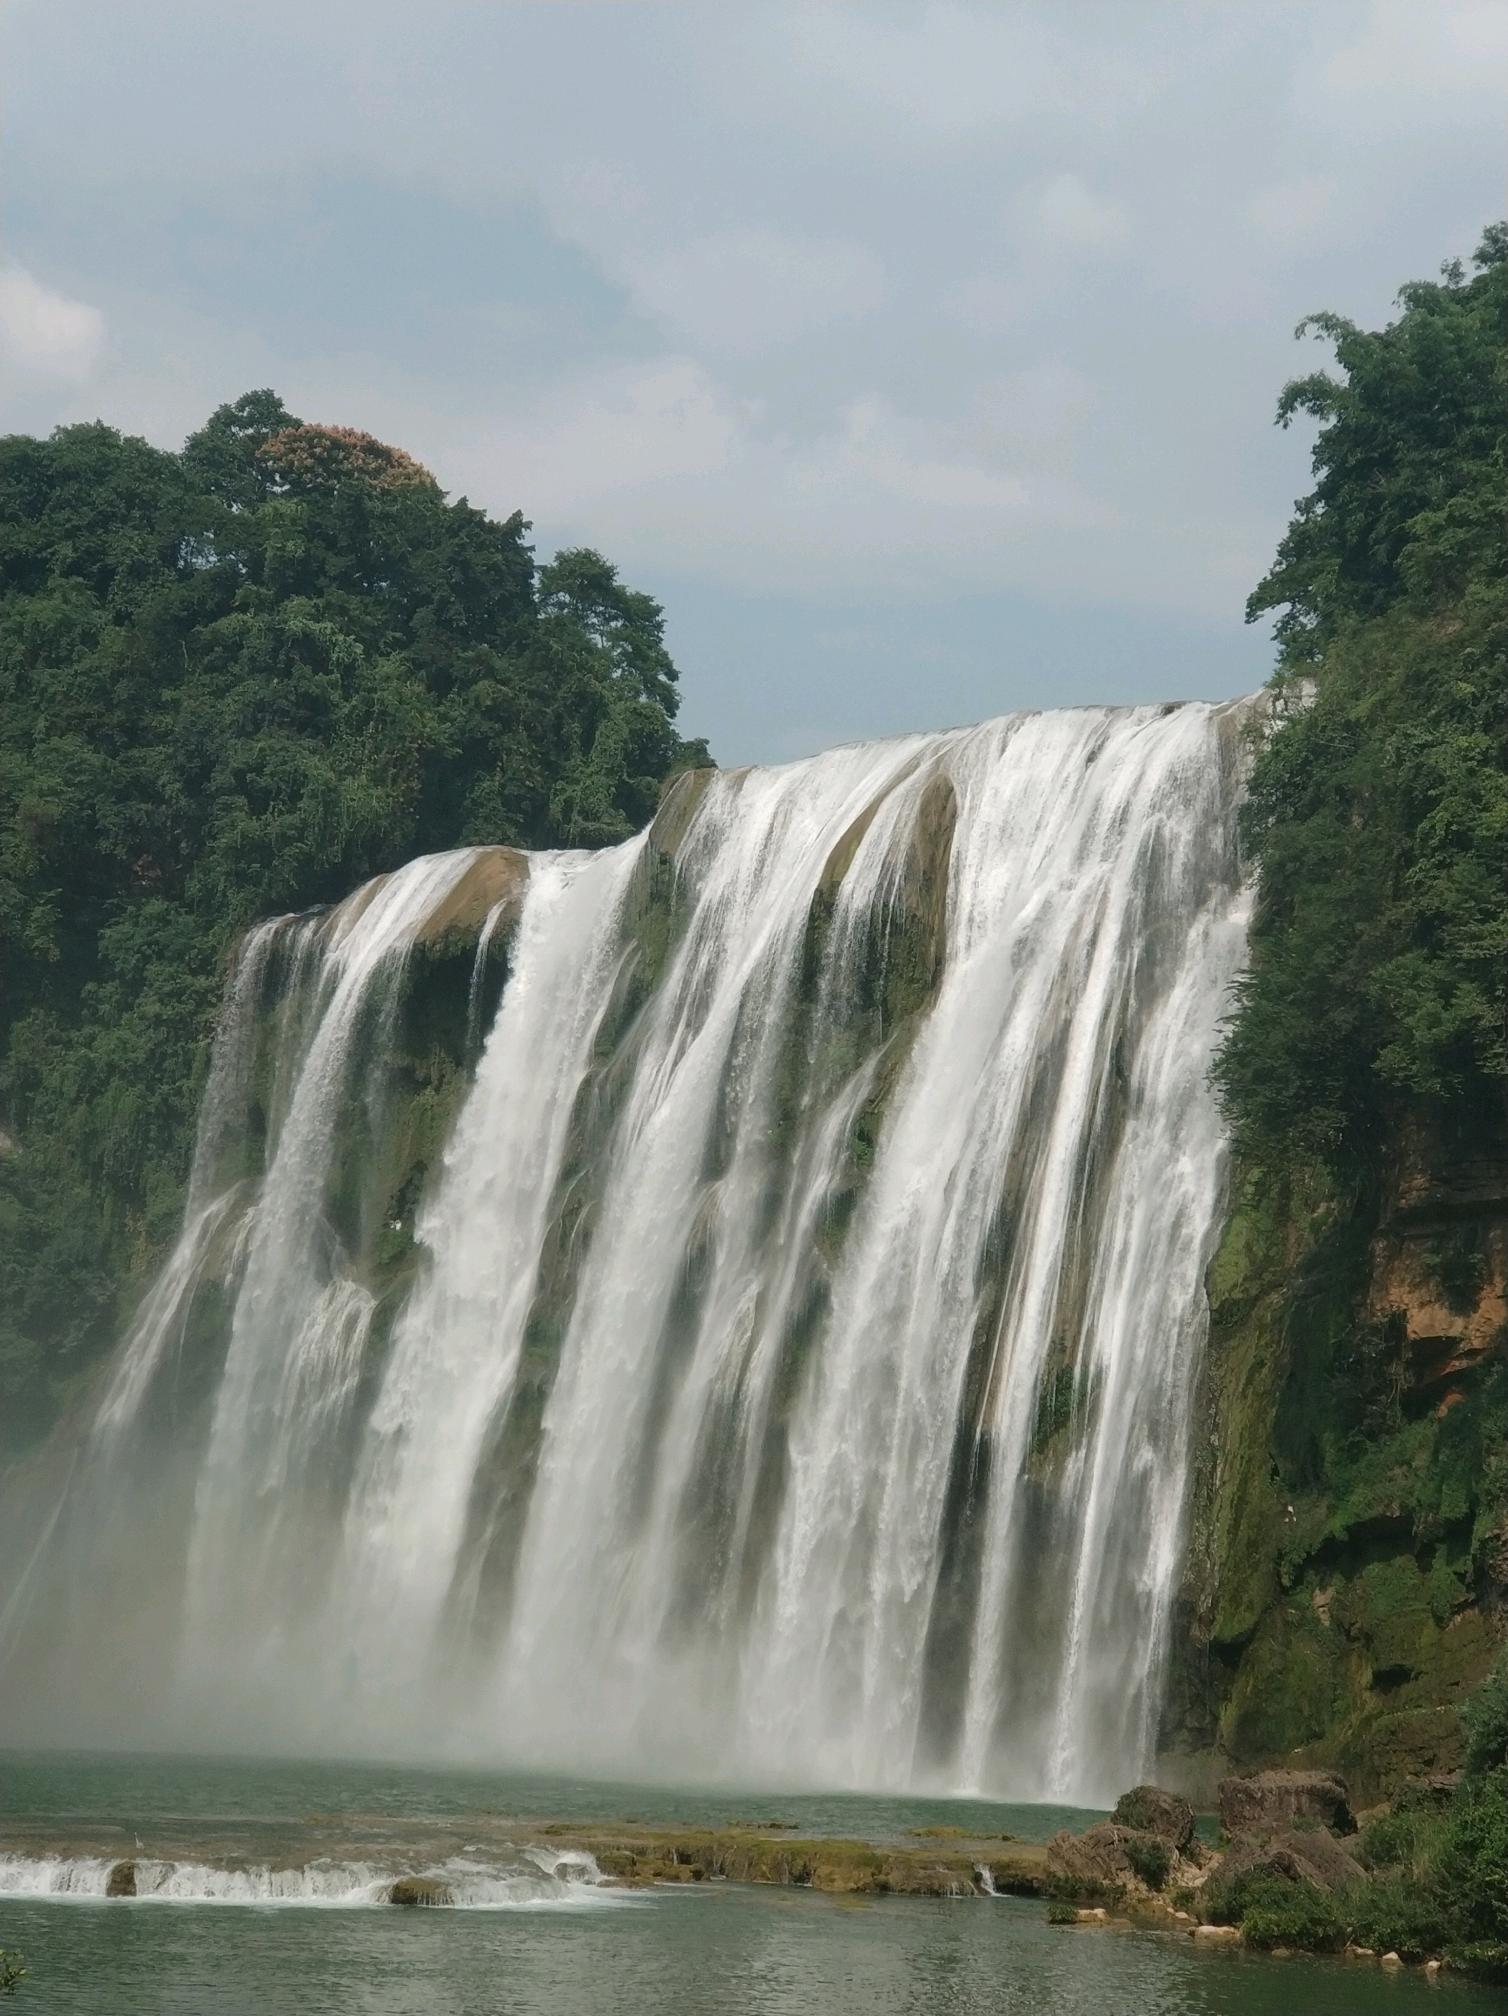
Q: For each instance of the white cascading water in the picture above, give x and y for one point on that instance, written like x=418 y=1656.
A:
x=532 y=1879
x=793 y=1381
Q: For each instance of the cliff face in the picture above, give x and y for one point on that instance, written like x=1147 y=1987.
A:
x=1348 y=1561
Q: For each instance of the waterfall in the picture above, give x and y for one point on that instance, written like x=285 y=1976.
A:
x=728 y=1306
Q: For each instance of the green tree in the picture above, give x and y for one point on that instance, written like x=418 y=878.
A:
x=233 y=681
x=1378 y=809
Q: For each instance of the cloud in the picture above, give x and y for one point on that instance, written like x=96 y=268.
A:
x=1303 y=211
x=862 y=305
x=45 y=332
x=665 y=465
x=1033 y=411
x=1427 y=57
x=1065 y=212
x=945 y=77
x=742 y=292
x=621 y=431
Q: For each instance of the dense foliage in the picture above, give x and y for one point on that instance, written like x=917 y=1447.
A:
x=1378 y=811
x=1439 y=1881
x=1369 y=1037
x=234 y=681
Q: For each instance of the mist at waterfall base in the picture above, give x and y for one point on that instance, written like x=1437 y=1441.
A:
x=792 y=1375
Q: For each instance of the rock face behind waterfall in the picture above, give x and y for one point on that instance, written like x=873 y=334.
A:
x=733 y=1300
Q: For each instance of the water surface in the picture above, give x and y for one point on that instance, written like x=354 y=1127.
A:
x=720 y=1951
x=704 y=1950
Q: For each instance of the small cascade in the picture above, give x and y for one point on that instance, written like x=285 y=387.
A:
x=533 y=1880
x=724 y=1306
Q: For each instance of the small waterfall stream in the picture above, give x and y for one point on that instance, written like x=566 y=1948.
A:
x=726 y=1306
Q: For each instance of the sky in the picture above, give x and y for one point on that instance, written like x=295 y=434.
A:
x=921 y=359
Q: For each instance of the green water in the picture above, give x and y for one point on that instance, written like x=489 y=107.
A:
x=135 y=1793
x=708 y=1950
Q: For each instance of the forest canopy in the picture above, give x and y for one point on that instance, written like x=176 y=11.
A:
x=1378 y=809
x=235 y=681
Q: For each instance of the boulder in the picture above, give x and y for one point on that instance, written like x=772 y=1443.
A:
x=1268 y=1800
x=121 y=1882
x=1093 y=1860
x=1103 y=1857
x=412 y=1891
x=1152 y=1811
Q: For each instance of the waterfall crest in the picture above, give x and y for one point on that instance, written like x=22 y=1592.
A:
x=729 y=1305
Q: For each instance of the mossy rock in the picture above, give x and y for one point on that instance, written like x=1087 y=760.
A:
x=680 y=801
x=496 y=880
x=1290 y=1688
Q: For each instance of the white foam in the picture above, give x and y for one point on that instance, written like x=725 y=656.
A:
x=542 y=1879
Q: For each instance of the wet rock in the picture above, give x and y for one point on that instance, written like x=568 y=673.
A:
x=121 y=1882
x=1216 y=1935
x=1150 y=1810
x=414 y=1891
x=496 y=880
x=680 y=800
x=1268 y=1800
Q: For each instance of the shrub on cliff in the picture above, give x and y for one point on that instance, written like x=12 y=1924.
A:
x=1486 y=1724
x=1440 y=1881
x=1471 y=1874
x=1150 y=1859
x=1279 y=1913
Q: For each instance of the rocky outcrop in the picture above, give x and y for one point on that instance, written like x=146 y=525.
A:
x=1265 y=1801
x=121 y=1882
x=495 y=882
x=1150 y=1810
x=1124 y=1864
x=680 y=801
x=415 y=1892
x=1093 y=1862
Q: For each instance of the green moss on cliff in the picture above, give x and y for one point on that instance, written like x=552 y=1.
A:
x=1345 y=1566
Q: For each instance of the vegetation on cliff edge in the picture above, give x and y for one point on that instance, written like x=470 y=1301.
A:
x=1357 y=1482
x=1378 y=811
x=234 y=681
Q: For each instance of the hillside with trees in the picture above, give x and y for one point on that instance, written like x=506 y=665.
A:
x=1348 y=1571
x=236 y=681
